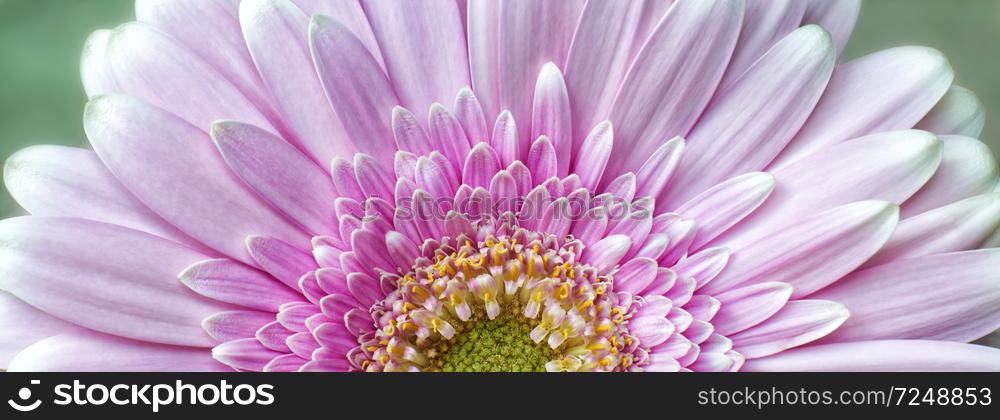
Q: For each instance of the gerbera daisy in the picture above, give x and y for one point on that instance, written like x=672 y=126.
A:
x=512 y=185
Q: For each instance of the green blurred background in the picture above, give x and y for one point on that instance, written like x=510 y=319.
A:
x=41 y=99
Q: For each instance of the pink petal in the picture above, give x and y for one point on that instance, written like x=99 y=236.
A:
x=88 y=351
x=938 y=297
x=749 y=306
x=723 y=206
x=246 y=354
x=673 y=78
x=654 y=175
x=884 y=91
x=424 y=49
x=961 y=226
x=21 y=325
x=883 y=356
x=959 y=112
x=837 y=17
x=551 y=115
x=355 y=85
x=967 y=169
x=104 y=277
x=232 y=282
x=234 y=325
x=814 y=252
x=283 y=176
x=275 y=34
x=95 y=69
x=72 y=182
x=764 y=23
x=887 y=166
x=784 y=85
x=193 y=189
x=798 y=323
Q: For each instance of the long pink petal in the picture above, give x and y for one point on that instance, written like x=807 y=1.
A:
x=21 y=325
x=815 y=251
x=276 y=36
x=798 y=323
x=887 y=90
x=837 y=17
x=673 y=78
x=723 y=206
x=424 y=48
x=359 y=91
x=104 y=277
x=967 y=169
x=959 y=112
x=284 y=177
x=764 y=23
x=747 y=126
x=94 y=352
x=883 y=356
x=950 y=297
x=180 y=175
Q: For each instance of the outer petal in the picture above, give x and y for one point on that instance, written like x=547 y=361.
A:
x=352 y=15
x=887 y=166
x=283 y=176
x=143 y=59
x=87 y=351
x=95 y=69
x=723 y=206
x=887 y=90
x=747 y=126
x=424 y=48
x=276 y=33
x=959 y=112
x=72 y=182
x=954 y=297
x=797 y=323
x=104 y=277
x=967 y=169
x=358 y=89
x=959 y=226
x=883 y=356
x=815 y=252
x=522 y=23
x=838 y=17
x=764 y=23
x=210 y=29
x=180 y=176
x=607 y=39
x=21 y=325
x=673 y=78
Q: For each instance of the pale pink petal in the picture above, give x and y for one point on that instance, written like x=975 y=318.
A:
x=351 y=14
x=746 y=127
x=837 y=17
x=94 y=352
x=967 y=169
x=889 y=166
x=799 y=322
x=283 y=261
x=21 y=325
x=959 y=226
x=521 y=25
x=234 y=325
x=609 y=35
x=104 y=277
x=246 y=354
x=359 y=91
x=749 y=306
x=656 y=172
x=470 y=113
x=480 y=166
x=883 y=356
x=73 y=182
x=673 y=78
x=143 y=58
x=959 y=112
x=704 y=266
x=814 y=252
x=95 y=69
x=723 y=206
x=284 y=177
x=424 y=49
x=275 y=32
x=764 y=23
x=887 y=90
x=950 y=297
x=551 y=117
x=232 y=282
x=180 y=175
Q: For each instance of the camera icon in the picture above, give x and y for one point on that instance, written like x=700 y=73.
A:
x=24 y=395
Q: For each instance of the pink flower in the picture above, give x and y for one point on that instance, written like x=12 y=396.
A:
x=618 y=186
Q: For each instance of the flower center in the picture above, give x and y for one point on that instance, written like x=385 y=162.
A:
x=517 y=302
x=502 y=344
